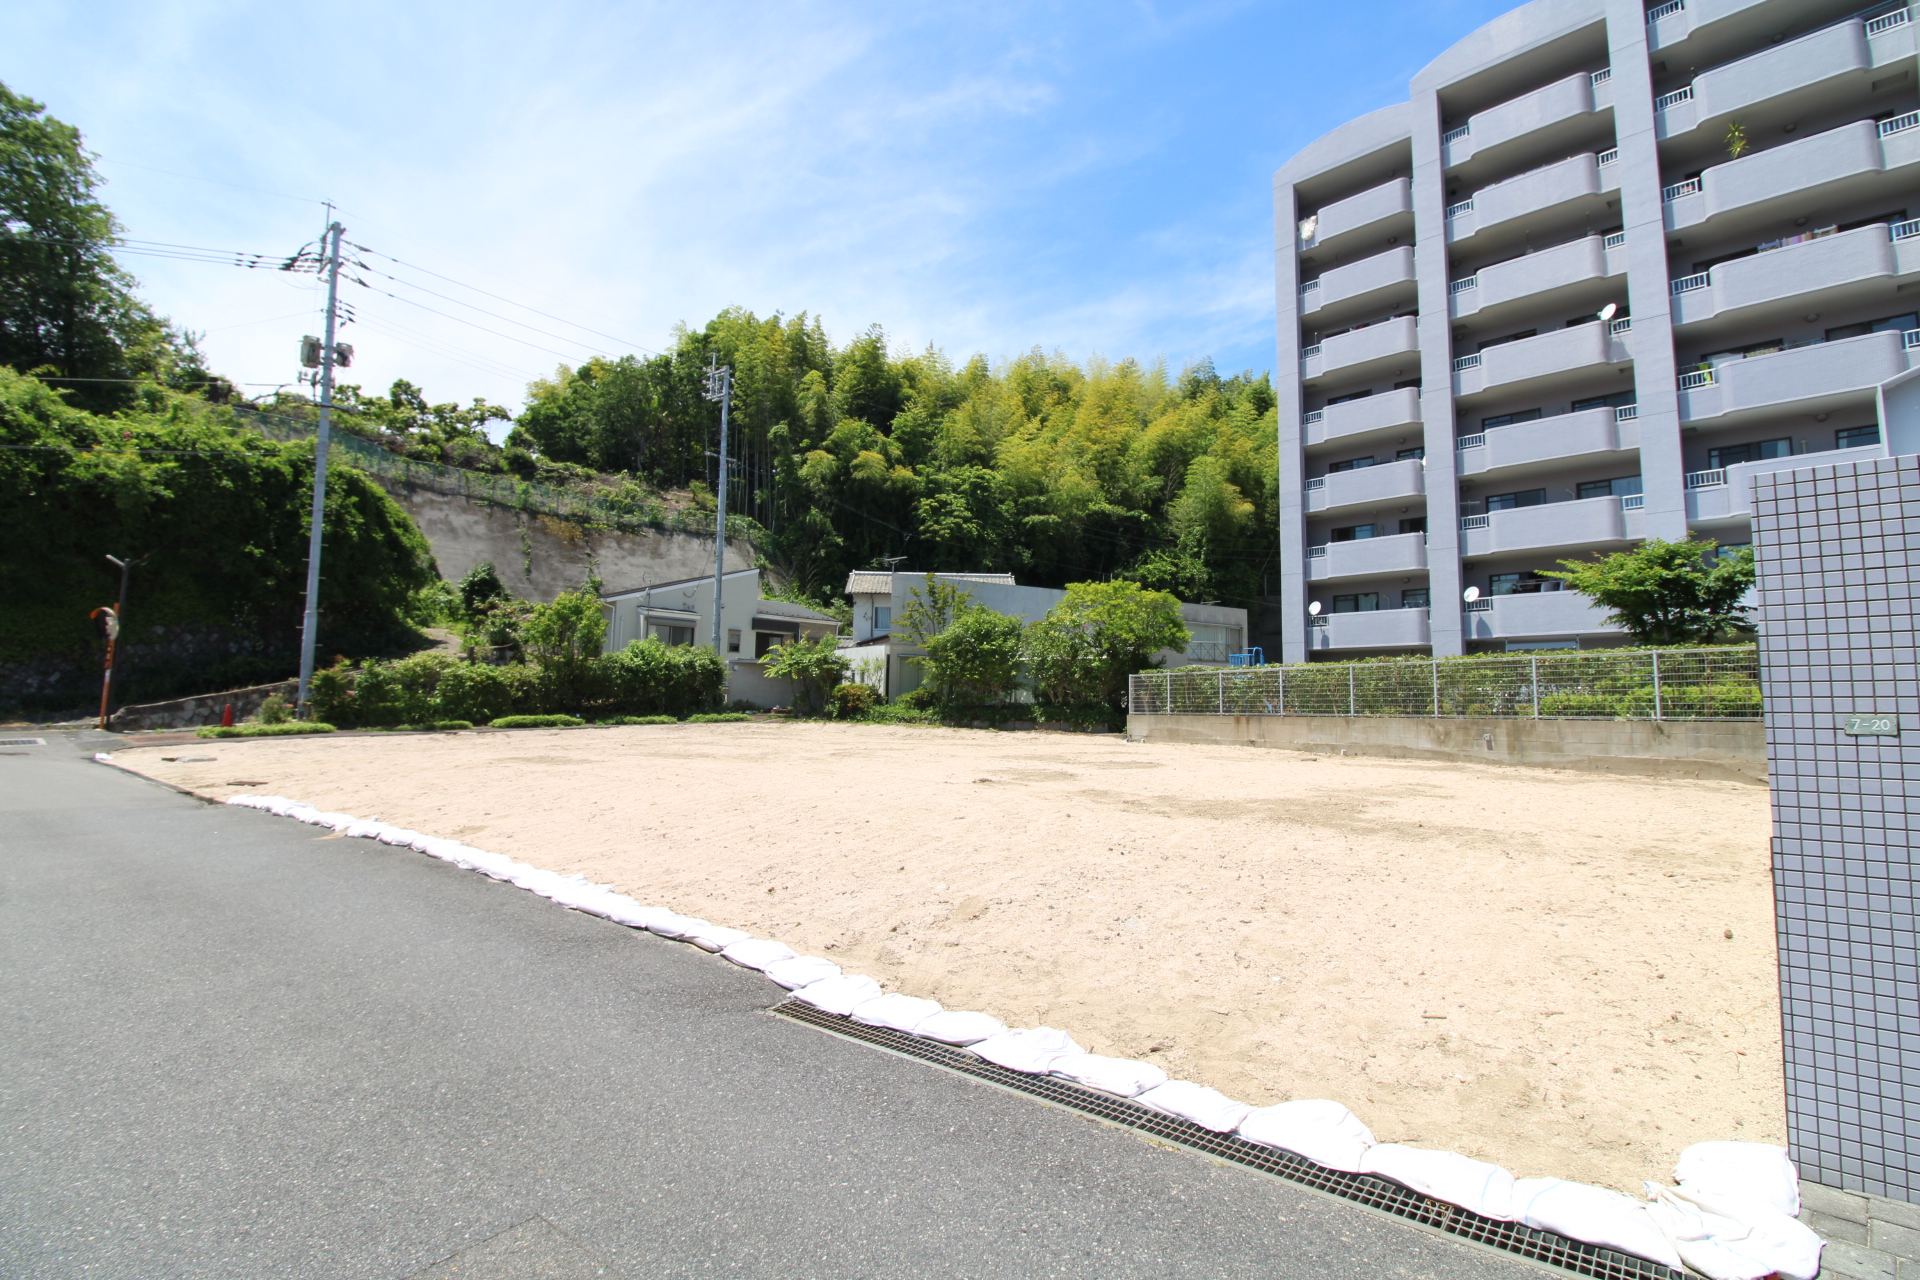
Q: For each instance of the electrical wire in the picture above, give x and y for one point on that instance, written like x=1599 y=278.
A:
x=558 y=337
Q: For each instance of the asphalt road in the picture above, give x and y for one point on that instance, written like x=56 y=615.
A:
x=232 y=1046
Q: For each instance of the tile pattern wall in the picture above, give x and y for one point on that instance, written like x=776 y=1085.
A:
x=1839 y=560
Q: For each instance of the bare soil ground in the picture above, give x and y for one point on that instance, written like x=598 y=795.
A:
x=1570 y=974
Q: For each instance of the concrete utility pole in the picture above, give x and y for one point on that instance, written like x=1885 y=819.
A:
x=720 y=387
x=310 y=625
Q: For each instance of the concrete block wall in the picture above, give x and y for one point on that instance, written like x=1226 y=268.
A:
x=1839 y=559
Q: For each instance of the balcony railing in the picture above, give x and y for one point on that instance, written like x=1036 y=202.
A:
x=1698 y=378
x=1318 y=415
x=1475 y=522
x=1905 y=230
x=1608 y=156
x=1601 y=76
x=1314 y=553
x=1626 y=412
x=1632 y=501
x=1455 y=210
x=1479 y=606
x=1910 y=339
x=1706 y=479
x=1310 y=352
x=1614 y=241
x=1463 y=363
x=1454 y=135
x=1309 y=287
x=1471 y=442
x=1318 y=482
x=1691 y=187
x=1666 y=10
x=1673 y=99
x=1900 y=124
x=1623 y=325
x=1473 y=282
x=1888 y=21
x=1687 y=284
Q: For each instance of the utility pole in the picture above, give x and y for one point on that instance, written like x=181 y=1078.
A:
x=114 y=613
x=310 y=624
x=720 y=387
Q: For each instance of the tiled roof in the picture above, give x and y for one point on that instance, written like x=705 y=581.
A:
x=873 y=582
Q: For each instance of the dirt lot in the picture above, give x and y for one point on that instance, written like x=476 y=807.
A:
x=1567 y=973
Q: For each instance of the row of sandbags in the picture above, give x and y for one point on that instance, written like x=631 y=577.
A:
x=1731 y=1216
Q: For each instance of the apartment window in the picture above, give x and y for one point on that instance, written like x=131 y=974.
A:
x=1726 y=549
x=1905 y=320
x=1414 y=524
x=1613 y=401
x=1511 y=337
x=1509 y=501
x=1410 y=382
x=1416 y=598
x=1528 y=646
x=1619 y=487
x=1351 y=395
x=1891 y=215
x=733 y=642
x=1855 y=437
x=1350 y=464
x=1508 y=419
x=882 y=619
x=1359 y=602
x=1727 y=455
x=1506 y=584
x=1418 y=451
x=1354 y=533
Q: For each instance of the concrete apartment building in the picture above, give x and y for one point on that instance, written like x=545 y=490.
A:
x=1604 y=265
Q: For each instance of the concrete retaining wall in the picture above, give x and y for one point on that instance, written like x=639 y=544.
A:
x=1712 y=749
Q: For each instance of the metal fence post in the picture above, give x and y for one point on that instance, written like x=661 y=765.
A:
x=1352 y=705
x=1169 y=693
x=1220 y=691
x=1536 y=687
x=1281 y=690
x=1656 y=684
x=1435 y=664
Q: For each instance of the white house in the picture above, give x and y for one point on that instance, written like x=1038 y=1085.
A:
x=681 y=612
x=878 y=597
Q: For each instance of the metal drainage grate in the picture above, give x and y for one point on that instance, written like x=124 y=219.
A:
x=23 y=742
x=1376 y=1193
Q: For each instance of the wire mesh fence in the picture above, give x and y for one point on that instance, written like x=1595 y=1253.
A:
x=1719 y=683
x=501 y=490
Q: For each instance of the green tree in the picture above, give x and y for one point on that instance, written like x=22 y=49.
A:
x=814 y=666
x=929 y=610
x=976 y=658
x=480 y=586
x=1667 y=592
x=565 y=637
x=1082 y=652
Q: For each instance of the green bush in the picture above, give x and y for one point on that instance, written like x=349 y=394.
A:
x=539 y=722
x=630 y=720
x=719 y=717
x=852 y=701
x=897 y=712
x=275 y=710
x=436 y=726
x=263 y=730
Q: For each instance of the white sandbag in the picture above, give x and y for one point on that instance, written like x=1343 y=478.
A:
x=902 y=1013
x=1324 y=1132
x=675 y=926
x=400 y=836
x=1208 y=1108
x=1741 y=1171
x=337 y=821
x=1113 y=1075
x=715 y=937
x=1031 y=1051
x=958 y=1026
x=758 y=953
x=1593 y=1214
x=840 y=995
x=801 y=971
x=245 y=799
x=434 y=847
x=1733 y=1239
x=366 y=829
x=622 y=909
x=278 y=805
x=1486 y=1189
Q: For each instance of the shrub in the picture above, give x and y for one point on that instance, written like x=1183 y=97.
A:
x=627 y=720
x=1082 y=652
x=651 y=678
x=263 y=730
x=275 y=710
x=719 y=717
x=539 y=722
x=815 y=666
x=437 y=726
x=925 y=698
x=852 y=701
x=977 y=658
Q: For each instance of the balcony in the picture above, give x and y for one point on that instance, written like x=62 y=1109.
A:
x=1374 y=348
x=1817 y=67
x=1367 y=557
x=1817 y=274
x=1820 y=376
x=1561 y=267
x=1552 y=526
x=1722 y=22
x=1540 y=616
x=1371 y=211
x=1398 y=408
x=1847 y=161
x=1377 y=629
x=1562 y=355
x=1368 y=486
x=1727 y=494
x=1558 y=113
x=1571 y=186
x=1371 y=283
x=1590 y=434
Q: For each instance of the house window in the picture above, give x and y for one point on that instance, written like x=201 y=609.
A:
x=1730 y=454
x=1350 y=464
x=1353 y=533
x=1616 y=488
x=1413 y=524
x=1855 y=437
x=1508 y=419
x=668 y=634
x=765 y=642
x=1509 y=501
x=1418 y=451
x=882 y=619
x=1416 y=598
x=733 y=642
x=1359 y=602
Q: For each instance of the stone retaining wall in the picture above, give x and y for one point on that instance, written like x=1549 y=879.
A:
x=182 y=713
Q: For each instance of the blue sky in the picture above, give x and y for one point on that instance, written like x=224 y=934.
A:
x=983 y=177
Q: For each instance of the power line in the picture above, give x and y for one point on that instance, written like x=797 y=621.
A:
x=558 y=337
